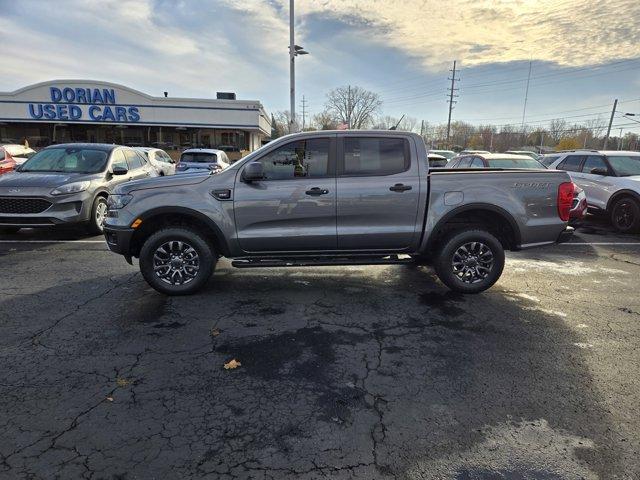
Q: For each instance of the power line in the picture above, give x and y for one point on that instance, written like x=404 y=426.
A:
x=552 y=74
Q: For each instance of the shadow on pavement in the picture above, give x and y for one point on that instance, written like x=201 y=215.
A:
x=374 y=372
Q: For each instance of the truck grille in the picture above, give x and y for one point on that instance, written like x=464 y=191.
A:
x=23 y=205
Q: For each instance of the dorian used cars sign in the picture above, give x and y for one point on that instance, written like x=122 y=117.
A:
x=93 y=104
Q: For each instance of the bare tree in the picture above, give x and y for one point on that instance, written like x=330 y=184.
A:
x=354 y=106
x=324 y=121
x=282 y=123
x=557 y=128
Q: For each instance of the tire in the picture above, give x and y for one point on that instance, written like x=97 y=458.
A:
x=460 y=276
x=7 y=230
x=625 y=215
x=160 y=247
x=98 y=215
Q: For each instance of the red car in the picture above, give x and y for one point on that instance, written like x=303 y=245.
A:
x=7 y=163
x=578 y=206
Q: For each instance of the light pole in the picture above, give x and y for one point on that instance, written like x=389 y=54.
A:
x=294 y=51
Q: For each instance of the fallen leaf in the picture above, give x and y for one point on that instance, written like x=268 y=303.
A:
x=232 y=364
x=122 y=382
x=215 y=332
x=109 y=399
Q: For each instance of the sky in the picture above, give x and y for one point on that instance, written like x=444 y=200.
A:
x=583 y=54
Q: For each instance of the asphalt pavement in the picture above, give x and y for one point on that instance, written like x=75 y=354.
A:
x=344 y=372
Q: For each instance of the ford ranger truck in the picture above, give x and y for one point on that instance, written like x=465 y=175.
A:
x=337 y=198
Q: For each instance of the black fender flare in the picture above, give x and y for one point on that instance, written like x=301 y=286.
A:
x=478 y=206
x=189 y=212
x=618 y=194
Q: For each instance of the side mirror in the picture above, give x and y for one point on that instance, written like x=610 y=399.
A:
x=599 y=171
x=118 y=170
x=252 y=172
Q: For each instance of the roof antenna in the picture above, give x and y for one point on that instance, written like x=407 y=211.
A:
x=395 y=127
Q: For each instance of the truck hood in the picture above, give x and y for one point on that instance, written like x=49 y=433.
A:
x=160 y=182
x=43 y=179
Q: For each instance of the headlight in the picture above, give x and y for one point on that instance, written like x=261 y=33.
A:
x=71 y=188
x=114 y=202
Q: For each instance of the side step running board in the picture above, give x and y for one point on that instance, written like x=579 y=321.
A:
x=319 y=261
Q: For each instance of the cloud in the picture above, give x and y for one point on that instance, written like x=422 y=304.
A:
x=571 y=33
x=187 y=48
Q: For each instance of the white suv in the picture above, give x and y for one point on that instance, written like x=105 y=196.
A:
x=611 y=180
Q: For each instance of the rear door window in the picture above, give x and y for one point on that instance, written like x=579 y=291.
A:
x=375 y=156
x=572 y=163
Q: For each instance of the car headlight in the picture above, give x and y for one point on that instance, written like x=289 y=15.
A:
x=115 y=202
x=71 y=188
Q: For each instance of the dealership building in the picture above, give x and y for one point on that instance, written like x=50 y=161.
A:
x=62 y=111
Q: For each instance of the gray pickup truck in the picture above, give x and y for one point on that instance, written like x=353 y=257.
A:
x=337 y=198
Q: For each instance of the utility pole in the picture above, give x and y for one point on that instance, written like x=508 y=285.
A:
x=451 y=101
x=526 y=97
x=294 y=51
x=304 y=111
x=613 y=112
x=292 y=71
x=541 y=141
x=620 y=140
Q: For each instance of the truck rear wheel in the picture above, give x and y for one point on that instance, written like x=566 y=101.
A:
x=470 y=261
x=177 y=261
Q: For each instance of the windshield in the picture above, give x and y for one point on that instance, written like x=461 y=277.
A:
x=198 y=157
x=68 y=160
x=549 y=159
x=625 y=165
x=523 y=162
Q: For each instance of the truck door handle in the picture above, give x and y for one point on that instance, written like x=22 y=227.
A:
x=399 y=187
x=315 y=191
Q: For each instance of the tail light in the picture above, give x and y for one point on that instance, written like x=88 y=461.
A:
x=565 y=199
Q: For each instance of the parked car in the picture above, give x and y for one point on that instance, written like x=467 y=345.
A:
x=611 y=181
x=199 y=159
x=18 y=152
x=67 y=184
x=472 y=152
x=528 y=153
x=159 y=159
x=578 y=206
x=549 y=158
x=436 y=161
x=7 y=163
x=494 y=160
x=448 y=154
x=337 y=198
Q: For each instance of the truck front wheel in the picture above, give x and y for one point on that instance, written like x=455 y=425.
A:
x=176 y=261
x=470 y=261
